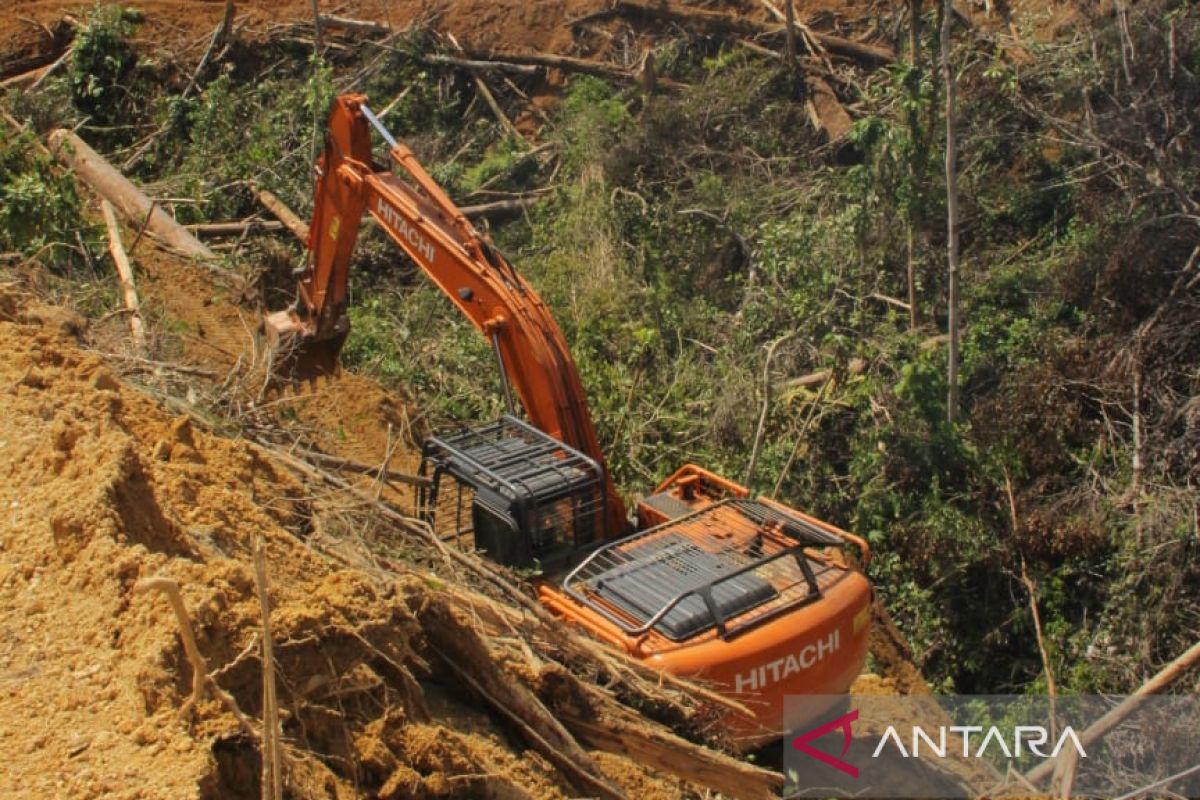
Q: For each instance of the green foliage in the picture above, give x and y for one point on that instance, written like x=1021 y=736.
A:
x=427 y=99
x=497 y=160
x=102 y=63
x=38 y=205
x=240 y=133
x=319 y=91
x=592 y=116
x=417 y=341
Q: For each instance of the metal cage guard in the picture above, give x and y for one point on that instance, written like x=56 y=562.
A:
x=741 y=579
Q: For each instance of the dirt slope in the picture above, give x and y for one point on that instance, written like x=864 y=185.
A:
x=181 y=28
x=102 y=489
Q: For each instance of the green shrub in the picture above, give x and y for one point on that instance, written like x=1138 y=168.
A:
x=38 y=204
x=102 y=64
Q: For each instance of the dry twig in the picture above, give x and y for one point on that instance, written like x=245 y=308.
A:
x=200 y=677
x=272 y=760
x=125 y=272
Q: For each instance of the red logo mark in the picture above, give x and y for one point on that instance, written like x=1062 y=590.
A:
x=843 y=722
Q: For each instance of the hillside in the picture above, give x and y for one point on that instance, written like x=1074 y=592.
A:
x=746 y=251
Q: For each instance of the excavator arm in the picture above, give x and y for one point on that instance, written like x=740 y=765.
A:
x=746 y=593
x=420 y=217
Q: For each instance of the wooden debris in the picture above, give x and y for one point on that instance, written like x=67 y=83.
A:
x=501 y=208
x=125 y=273
x=34 y=78
x=133 y=204
x=215 y=45
x=234 y=228
x=1162 y=680
x=826 y=111
x=481 y=65
x=285 y=215
x=201 y=681
x=638 y=680
x=714 y=22
x=497 y=111
x=272 y=756
x=336 y=462
x=25 y=67
x=662 y=750
x=465 y=652
x=889 y=300
x=354 y=25
x=572 y=64
x=808 y=381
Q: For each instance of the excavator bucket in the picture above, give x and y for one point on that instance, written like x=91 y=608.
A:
x=298 y=352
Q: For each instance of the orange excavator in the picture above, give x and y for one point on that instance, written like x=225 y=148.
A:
x=751 y=596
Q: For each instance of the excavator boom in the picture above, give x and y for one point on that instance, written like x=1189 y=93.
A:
x=758 y=598
x=532 y=354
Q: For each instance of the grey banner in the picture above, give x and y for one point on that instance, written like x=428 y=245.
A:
x=957 y=746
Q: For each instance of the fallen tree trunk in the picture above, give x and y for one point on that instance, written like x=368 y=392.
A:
x=871 y=54
x=464 y=651
x=662 y=750
x=500 y=208
x=285 y=215
x=355 y=25
x=338 y=462
x=26 y=66
x=233 y=228
x=1161 y=680
x=482 y=65
x=571 y=64
x=829 y=114
x=110 y=184
x=33 y=78
x=215 y=45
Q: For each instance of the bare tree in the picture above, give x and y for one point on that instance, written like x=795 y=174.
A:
x=951 y=212
x=916 y=161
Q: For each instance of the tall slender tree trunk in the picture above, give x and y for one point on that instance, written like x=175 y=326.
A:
x=790 y=34
x=951 y=212
x=916 y=160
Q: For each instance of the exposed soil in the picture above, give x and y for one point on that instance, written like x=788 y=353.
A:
x=182 y=28
x=103 y=489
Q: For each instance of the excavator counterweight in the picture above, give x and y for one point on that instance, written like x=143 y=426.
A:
x=756 y=597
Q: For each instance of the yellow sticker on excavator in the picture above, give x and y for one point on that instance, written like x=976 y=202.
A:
x=334 y=226
x=862 y=618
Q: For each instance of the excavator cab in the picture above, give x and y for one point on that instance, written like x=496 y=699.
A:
x=532 y=501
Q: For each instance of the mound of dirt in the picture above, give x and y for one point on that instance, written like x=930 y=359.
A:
x=104 y=489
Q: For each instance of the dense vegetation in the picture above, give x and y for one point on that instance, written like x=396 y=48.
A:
x=708 y=253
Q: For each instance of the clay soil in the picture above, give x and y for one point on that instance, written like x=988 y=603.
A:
x=29 y=29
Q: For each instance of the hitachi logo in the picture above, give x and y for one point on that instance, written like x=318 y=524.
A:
x=759 y=678
x=401 y=229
